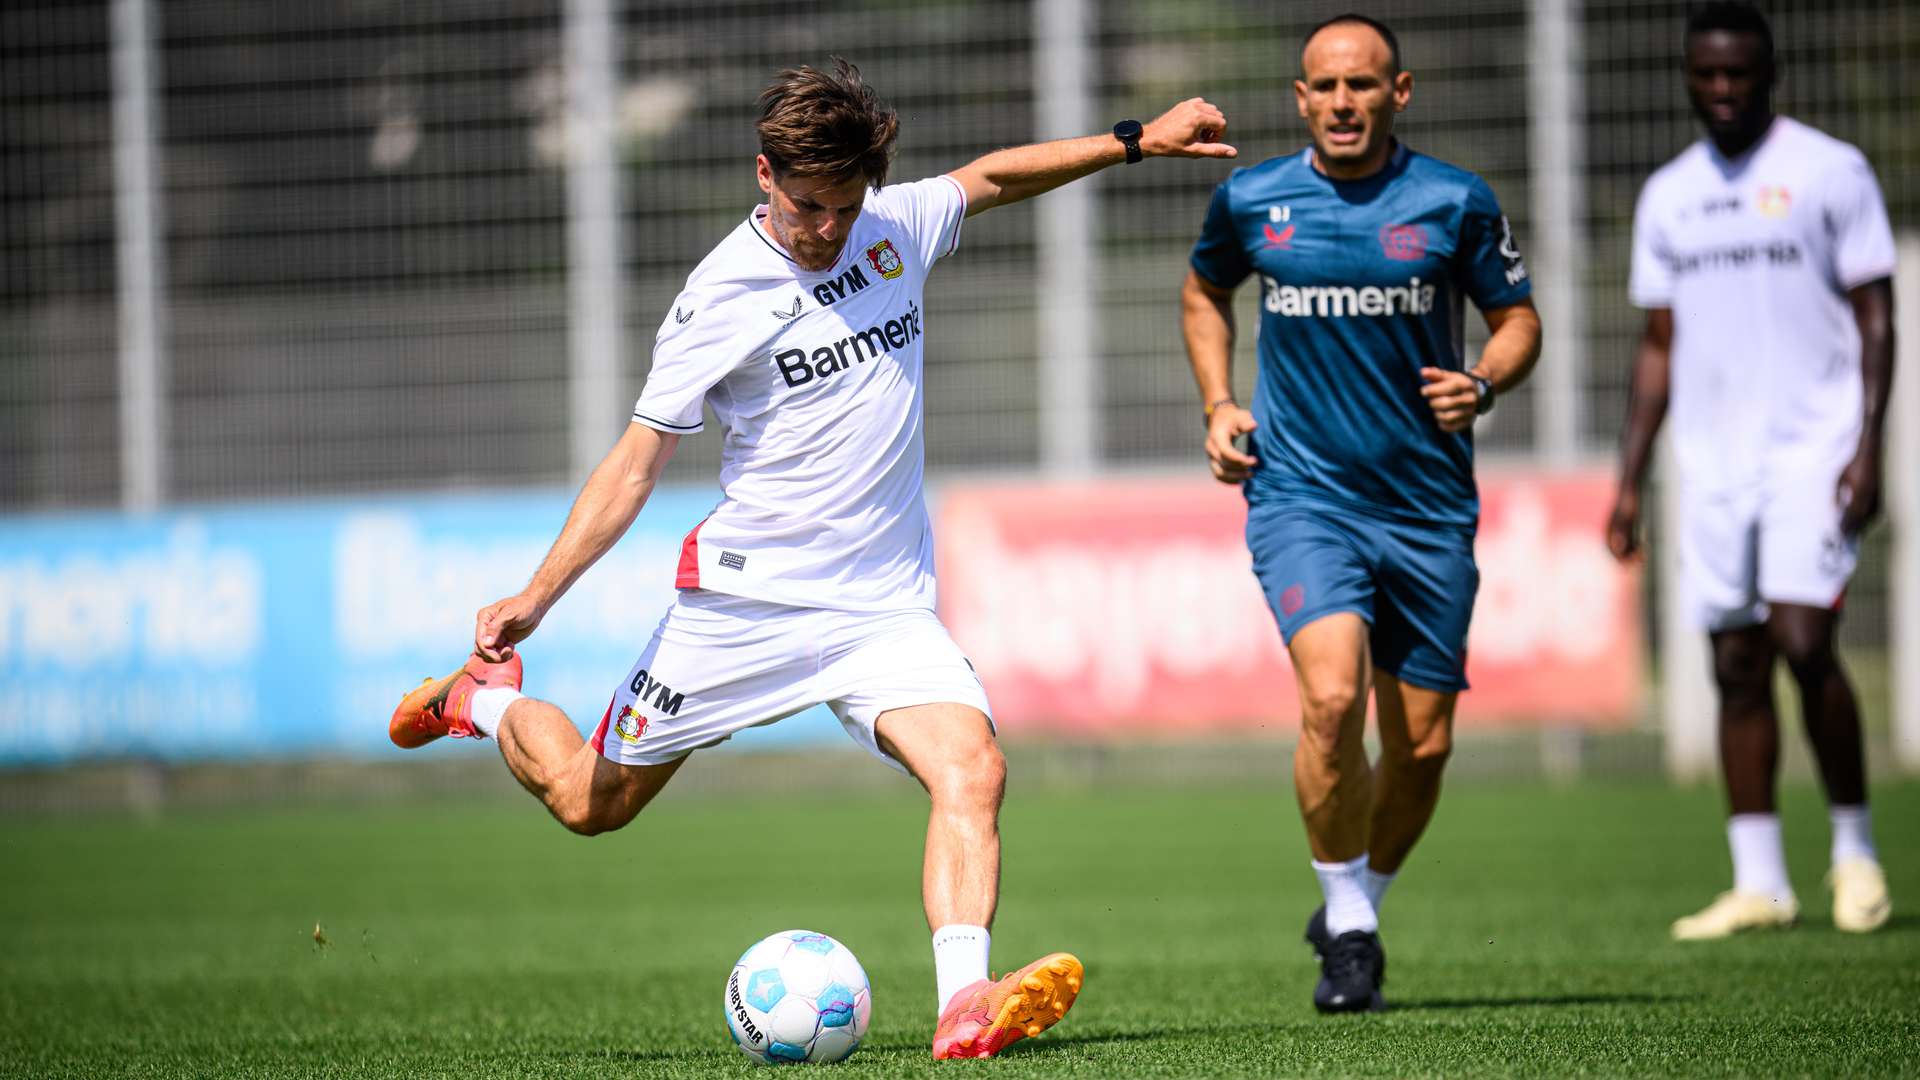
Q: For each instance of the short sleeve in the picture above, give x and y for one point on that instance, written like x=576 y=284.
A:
x=693 y=351
x=931 y=211
x=1650 y=281
x=1488 y=258
x=1857 y=220
x=1218 y=255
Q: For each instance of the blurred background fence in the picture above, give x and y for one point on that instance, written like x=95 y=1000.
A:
x=345 y=248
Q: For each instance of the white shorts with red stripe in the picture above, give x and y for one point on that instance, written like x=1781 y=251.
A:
x=720 y=663
x=1741 y=550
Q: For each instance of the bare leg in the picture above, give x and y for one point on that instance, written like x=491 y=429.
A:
x=951 y=750
x=1416 y=737
x=1804 y=637
x=1749 y=727
x=1331 y=778
x=582 y=790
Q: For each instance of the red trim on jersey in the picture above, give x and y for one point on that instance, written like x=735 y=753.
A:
x=689 y=574
x=599 y=740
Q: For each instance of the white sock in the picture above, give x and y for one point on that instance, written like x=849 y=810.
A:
x=490 y=705
x=959 y=959
x=1852 y=833
x=1348 y=907
x=1376 y=884
x=1759 y=860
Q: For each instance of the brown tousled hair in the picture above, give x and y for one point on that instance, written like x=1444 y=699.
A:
x=826 y=124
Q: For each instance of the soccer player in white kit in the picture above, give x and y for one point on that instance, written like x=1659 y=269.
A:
x=812 y=580
x=1764 y=259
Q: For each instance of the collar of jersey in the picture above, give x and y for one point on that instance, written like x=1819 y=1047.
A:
x=753 y=223
x=1395 y=161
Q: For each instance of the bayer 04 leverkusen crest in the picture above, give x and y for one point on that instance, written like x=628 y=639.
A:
x=885 y=260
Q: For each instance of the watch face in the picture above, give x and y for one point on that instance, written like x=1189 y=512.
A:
x=1127 y=129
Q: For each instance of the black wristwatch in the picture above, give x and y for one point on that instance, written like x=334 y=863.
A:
x=1483 y=393
x=1128 y=132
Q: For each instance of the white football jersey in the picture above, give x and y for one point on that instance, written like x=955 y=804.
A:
x=818 y=381
x=1754 y=256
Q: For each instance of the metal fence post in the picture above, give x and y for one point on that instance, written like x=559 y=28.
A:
x=1903 y=510
x=140 y=258
x=1068 y=258
x=1556 y=132
x=595 y=294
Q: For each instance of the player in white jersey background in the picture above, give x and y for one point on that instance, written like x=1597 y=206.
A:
x=812 y=581
x=1764 y=258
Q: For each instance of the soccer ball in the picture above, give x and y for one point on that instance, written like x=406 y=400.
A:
x=798 y=996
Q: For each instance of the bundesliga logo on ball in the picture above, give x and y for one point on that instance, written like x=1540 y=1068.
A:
x=798 y=996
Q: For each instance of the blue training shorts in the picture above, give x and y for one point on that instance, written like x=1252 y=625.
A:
x=1414 y=584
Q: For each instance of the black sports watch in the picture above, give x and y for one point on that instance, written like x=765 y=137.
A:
x=1483 y=394
x=1128 y=132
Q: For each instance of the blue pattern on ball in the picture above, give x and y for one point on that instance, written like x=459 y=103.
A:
x=787 y=1052
x=836 y=1006
x=764 y=989
x=818 y=943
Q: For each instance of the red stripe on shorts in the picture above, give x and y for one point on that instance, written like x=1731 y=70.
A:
x=599 y=739
x=689 y=573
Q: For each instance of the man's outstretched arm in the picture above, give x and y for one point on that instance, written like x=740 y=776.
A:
x=601 y=514
x=1190 y=129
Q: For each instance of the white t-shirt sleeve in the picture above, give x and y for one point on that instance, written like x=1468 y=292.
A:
x=1650 y=282
x=931 y=210
x=693 y=351
x=1857 y=218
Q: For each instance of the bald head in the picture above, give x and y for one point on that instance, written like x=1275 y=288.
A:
x=1354 y=30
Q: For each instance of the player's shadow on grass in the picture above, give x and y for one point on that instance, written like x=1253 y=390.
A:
x=1522 y=1001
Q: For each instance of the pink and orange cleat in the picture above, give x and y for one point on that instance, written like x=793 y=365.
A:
x=443 y=706
x=987 y=1017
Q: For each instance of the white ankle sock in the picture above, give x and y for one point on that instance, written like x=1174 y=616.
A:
x=1376 y=884
x=959 y=958
x=1759 y=860
x=1348 y=907
x=1852 y=833
x=489 y=706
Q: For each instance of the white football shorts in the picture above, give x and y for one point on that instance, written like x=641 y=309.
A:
x=719 y=663
x=1783 y=544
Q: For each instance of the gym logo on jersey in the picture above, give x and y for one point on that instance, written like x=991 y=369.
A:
x=1405 y=243
x=645 y=686
x=886 y=261
x=783 y=316
x=1340 y=301
x=841 y=287
x=682 y=318
x=1510 y=253
x=631 y=725
x=1773 y=202
x=802 y=366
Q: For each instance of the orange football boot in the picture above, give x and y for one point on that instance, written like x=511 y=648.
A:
x=986 y=1017
x=444 y=706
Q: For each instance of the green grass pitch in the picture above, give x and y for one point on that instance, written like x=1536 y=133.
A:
x=478 y=939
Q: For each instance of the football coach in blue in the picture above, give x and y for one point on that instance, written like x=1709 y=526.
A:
x=1358 y=473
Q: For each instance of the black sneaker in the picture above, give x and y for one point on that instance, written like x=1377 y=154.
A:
x=1317 y=935
x=1351 y=970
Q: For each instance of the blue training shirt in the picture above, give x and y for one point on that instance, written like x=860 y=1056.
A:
x=1362 y=283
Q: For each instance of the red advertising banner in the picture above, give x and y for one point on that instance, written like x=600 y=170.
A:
x=1130 y=607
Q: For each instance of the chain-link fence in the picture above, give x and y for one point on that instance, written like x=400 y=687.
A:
x=363 y=208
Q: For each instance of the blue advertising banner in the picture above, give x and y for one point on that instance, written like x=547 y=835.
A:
x=282 y=630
